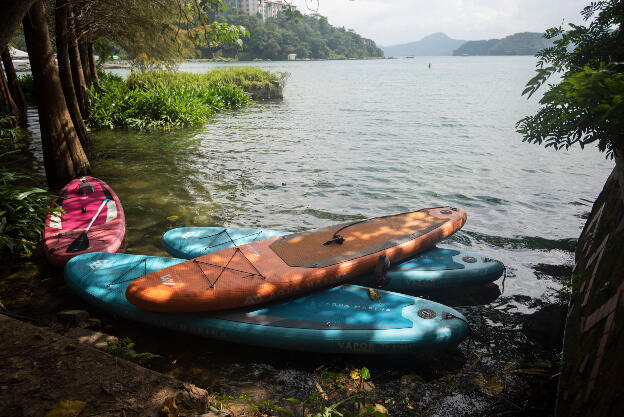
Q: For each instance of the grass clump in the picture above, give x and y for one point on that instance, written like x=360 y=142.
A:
x=124 y=348
x=164 y=100
x=245 y=78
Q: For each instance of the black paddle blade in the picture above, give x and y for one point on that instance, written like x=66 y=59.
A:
x=80 y=244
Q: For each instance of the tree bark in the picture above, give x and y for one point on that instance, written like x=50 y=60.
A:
x=12 y=13
x=80 y=85
x=62 y=55
x=7 y=104
x=84 y=59
x=14 y=87
x=92 y=64
x=63 y=155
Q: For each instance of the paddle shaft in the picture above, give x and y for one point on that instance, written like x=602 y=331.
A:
x=96 y=215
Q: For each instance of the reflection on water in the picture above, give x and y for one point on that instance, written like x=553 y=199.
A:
x=355 y=139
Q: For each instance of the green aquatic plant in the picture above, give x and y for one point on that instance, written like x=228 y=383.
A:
x=159 y=101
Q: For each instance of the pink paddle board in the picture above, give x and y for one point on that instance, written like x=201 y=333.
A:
x=88 y=200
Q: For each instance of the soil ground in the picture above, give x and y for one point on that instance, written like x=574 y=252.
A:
x=40 y=369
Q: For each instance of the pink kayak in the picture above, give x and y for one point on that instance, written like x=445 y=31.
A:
x=93 y=221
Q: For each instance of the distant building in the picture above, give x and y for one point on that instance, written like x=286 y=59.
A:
x=292 y=57
x=250 y=7
x=272 y=8
x=266 y=8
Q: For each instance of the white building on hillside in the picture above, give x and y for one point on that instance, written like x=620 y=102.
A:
x=267 y=8
x=251 y=7
x=273 y=7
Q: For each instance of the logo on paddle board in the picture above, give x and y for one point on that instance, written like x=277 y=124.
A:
x=97 y=263
x=168 y=280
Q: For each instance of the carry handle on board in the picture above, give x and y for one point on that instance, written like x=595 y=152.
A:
x=82 y=241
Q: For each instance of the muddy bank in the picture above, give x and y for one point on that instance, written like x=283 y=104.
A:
x=42 y=371
x=593 y=364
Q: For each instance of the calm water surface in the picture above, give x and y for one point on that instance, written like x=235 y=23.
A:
x=354 y=139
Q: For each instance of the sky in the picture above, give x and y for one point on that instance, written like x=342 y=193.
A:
x=391 y=22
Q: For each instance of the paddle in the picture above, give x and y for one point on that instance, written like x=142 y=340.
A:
x=82 y=241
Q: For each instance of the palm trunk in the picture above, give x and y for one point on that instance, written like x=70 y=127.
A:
x=7 y=104
x=84 y=59
x=62 y=55
x=63 y=155
x=92 y=64
x=80 y=85
x=14 y=87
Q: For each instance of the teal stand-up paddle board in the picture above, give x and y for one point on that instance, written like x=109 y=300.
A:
x=434 y=269
x=347 y=318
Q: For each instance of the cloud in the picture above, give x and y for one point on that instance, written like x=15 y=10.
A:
x=390 y=22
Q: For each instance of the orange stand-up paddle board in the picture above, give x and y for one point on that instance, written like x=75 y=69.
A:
x=286 y=266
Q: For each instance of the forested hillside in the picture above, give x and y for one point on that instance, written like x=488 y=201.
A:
x=525 y=43
x=308 y=36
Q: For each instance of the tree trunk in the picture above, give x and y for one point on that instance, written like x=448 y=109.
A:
x=80 y=85
x=14 y=87
x=62 y=54
x=7 y=104
x=63 y=155
x=12 y=13
x=92 y=64
x=84 y=59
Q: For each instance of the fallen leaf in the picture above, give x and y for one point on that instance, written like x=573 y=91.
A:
x=381 y=409
x=66 y=409
x=374 y=294
x=170 y=409
x=355 y=374
x=173 y=218
x=489 y=385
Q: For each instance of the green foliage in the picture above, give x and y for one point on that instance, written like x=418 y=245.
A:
x=586 y=105
x=124 y=348
x=11 y=136
x=28 y=87
x=23 y=211
x=161 y=100
x=308 y=36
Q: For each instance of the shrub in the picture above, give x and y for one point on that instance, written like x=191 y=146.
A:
x=23 y=209
x=28 y=87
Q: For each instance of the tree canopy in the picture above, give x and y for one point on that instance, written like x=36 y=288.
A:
x=308 y=36
x=587 y=105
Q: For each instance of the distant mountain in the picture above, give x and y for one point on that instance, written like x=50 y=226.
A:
x=437 y=44
x=526 y=43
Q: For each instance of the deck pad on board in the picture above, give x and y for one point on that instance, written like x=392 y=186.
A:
x=313 y=249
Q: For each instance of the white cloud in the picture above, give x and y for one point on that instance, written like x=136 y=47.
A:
x=399 y=21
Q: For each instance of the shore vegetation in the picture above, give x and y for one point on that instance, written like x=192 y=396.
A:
x=159 y=100
x=23 y=208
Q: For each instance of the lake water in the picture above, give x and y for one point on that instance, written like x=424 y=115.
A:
x=354 y=139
